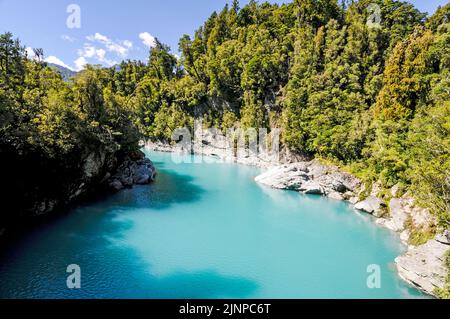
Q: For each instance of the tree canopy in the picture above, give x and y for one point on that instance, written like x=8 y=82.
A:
x=374 y=98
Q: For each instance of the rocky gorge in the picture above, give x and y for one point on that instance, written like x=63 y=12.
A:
x=422 y=266
x=40 y=192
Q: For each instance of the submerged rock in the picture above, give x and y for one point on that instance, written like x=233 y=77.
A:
x=424 y=266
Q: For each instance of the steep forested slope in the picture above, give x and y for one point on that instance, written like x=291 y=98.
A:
x=363 y=84
x=373 y=98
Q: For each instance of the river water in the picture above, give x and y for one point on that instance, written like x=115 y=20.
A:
x=206 y=231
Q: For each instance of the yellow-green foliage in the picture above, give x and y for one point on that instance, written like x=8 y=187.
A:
x=445 y=292
x=375 y=100
x=421 y=235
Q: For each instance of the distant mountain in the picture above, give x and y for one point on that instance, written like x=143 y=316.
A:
x=65 y=72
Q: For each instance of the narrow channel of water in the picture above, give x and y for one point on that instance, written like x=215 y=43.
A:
x=205 y=231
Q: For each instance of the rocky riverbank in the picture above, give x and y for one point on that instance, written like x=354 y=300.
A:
x=422 y=266
x=219 y=150
x=101 y=171
x=98 y=172
x=133 y=171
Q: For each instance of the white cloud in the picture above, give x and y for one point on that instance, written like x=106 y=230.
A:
x=98 y=37
x=91 y=52
x=101 y=54
x=68 y=38
x=118 y=49
x=121 y=48
x=30 y=52
x=128 y=44
x=147 y=39
x=88 y=51
x=57 y=61
x=100 y=49
x=80 y=63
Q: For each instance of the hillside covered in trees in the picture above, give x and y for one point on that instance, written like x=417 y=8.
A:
x=374 y=99
x=57 y=138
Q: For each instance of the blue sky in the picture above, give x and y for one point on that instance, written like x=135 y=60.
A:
x=113 y=30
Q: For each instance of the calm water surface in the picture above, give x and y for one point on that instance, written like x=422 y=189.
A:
x=205 y=231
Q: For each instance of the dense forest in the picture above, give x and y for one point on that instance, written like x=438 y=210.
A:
x=373 y=99
x=57 y=138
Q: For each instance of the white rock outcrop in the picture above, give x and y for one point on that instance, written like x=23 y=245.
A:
x=311 y=178
x=398 y=215
x=424 y=267
x=371 y=205
x=290 y=177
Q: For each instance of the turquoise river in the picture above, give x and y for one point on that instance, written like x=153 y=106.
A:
x=205 y=231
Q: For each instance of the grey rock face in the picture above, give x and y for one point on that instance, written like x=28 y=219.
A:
x=138 y=172
x=290 y=177
x=371 y=205
x=398 y=215
x=93 y=164
x=45 y=206
x=444 y=238
x=310 y=178
x=336 y=196
x=312 y=188
x=116 y=185
x=401 y=209
x=424 y=267
x=395 y=190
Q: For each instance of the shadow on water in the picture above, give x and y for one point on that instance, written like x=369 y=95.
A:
x=109 y=269
x=169 y=188
x=90 y=236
